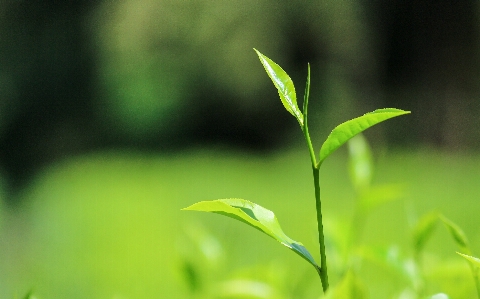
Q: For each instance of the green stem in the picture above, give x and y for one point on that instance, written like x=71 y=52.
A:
x=316 y=181
x=321 y=237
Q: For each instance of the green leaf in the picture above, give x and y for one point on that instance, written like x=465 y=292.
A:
x=255 y=216
x=423 y=230
x=343 y=132
x=284 y=85
x=457 y=233
x=360 y=162
x=472 y=260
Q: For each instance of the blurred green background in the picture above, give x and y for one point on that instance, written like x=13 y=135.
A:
x=114 y=115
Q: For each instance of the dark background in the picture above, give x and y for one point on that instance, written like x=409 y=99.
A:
x=163 y=76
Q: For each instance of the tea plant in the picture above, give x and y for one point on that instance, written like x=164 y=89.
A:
x=265 y=220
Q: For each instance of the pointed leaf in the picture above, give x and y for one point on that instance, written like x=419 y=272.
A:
x=456 y=232
x=343 y=132
x=255 y=216
x=284 y=85
x=472 y=260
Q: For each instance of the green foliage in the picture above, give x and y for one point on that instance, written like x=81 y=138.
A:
x=121 y=231
x=264 y=220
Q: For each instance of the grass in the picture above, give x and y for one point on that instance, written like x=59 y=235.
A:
x=109 y=225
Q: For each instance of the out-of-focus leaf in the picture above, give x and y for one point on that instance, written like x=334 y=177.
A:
x=201 y=254
x=207 y=244
x=30 y=295
x=439 y=296
x=472 y=260
x=349 y=288
x=191 y=275
x=423 y=230
x=284 y=85
x=343 y=132
x=242 y=288
x=255 y=216
x=378 y=195
x=457 y=233
x=392 y=259
x=360 y=162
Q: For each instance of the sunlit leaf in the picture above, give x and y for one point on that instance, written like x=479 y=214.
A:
x=473 y=260
x=284 y=85
x=456 y=232
x=343 y=132
x=360 y=162
x=255 y=216
x=423 y=230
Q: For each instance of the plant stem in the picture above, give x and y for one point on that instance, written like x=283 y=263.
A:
x=321 y=238
x=316 y=181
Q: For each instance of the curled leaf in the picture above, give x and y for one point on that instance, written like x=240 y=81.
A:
x=284 y=85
